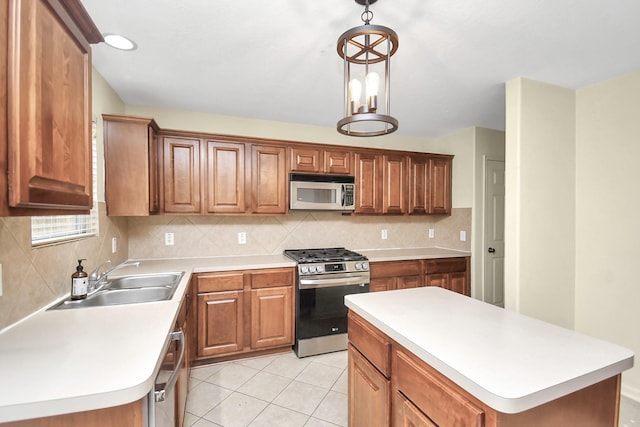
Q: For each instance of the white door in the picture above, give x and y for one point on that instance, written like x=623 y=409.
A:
x=494 y=233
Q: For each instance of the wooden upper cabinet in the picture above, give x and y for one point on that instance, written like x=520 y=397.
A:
x=394 y=185
x=306 y=159
x=268 y=179
x=46 y=63
x=181 y=174
x=429 y=184
x=225 y=184
x=338 y=162
x=368 y=183
x=419 y=188
x=131 y=165
x=440 y=185
x=315 y=159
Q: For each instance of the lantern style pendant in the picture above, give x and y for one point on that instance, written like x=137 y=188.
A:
x=366 y=51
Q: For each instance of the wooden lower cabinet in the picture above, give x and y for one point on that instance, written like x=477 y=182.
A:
x=390 y=275
x=449 y=273
x=414 y=394
x=369 y=392
x=244 y=311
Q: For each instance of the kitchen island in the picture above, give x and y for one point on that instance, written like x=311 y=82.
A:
x=428 y=356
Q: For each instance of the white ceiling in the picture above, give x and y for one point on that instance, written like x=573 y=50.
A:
x=277 y=59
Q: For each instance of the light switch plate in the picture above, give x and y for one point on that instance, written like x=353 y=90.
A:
x=114 y=245
x=463 y=235
x=383 y=235
x=432 y=233
x=242 y=238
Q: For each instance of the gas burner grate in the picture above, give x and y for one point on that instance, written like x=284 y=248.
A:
x=303 y=256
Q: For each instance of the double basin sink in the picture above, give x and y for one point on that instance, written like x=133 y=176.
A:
x=134 y=289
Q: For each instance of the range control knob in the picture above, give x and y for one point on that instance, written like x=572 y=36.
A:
x=358 y=266
x=365 y=265
x=320 y=269
x=304 y=269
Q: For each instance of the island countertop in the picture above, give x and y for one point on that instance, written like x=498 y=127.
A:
x=509 y=361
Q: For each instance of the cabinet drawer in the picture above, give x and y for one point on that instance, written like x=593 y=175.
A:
x=371 y=343
x=272 y=278
x=229 y=281
x=395 y=268
x=435 y=396
x=445 y=265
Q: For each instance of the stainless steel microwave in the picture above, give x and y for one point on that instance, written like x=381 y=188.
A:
x=321 y=192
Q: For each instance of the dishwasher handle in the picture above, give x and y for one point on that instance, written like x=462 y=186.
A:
x=160 y=394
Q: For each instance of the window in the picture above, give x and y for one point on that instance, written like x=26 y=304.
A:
x=60 y=228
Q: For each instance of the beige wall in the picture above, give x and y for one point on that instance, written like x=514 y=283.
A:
x=33 y=278
x=540 y=206
x=607 y=212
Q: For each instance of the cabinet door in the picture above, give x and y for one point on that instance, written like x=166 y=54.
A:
x=271 y=317
x=268 y=180
x=338 y=162
x=440 y=186
x=369 y=393
x=405 y=413
x=458 y=283
x=382 y=284
x=225 y=177
x=368 y=183
x=394 y=186
x=440 y=280
x=49 y=108
x=419 y=188
x=220 y=323
x=131 y=187
x=406 y=282
x=306 y=159
x=181 y=175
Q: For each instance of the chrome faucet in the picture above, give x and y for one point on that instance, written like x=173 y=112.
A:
x=97 y=280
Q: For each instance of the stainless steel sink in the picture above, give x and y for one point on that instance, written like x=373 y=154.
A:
x=135 y=289
x=144 y=281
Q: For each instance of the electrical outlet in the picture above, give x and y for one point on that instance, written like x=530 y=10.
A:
x=242 y=238
x=432 y=233
x=168 y=239
x=0 y=280
x=383 y=235
x=463 y=235
x=114 y=245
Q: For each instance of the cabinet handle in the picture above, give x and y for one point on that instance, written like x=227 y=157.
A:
x=492 y=250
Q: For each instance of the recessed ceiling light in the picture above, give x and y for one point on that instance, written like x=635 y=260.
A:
x=119 y=42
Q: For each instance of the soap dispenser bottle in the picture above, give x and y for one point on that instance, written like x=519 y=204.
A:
x=79 y=282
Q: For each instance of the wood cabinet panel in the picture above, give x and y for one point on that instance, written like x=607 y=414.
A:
x=223 y=314
x=131 y=165
x=181 y=160
x=269 y=179
x=394 y=184
x=437 y=398
x=449 y=273
x=225 y=180
x=269 y=278
x=375 y=346
x=369 y=393
x=338 y=162
x=46 y=72
x=271 y=317
x=224 y=281
x=306 y=159
x=419 y=185
x=368 y=183
x=440 y=186
x=382 y=284
x=406 y=414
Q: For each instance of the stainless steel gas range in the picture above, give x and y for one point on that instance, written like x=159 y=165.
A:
x=324 y=277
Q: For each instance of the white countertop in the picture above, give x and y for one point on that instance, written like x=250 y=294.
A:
x=508 y=361
x=63 y=361
x=378 y=255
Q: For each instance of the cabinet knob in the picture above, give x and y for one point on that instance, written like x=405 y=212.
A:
x=492 y=250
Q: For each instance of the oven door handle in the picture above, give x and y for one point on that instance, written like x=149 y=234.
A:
x=160 y=395
x=328 y=283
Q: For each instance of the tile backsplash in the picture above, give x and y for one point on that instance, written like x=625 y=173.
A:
x=201 y=236
x=33 y=278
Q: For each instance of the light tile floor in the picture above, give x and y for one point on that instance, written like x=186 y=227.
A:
x=284 y=391
x=279 y=390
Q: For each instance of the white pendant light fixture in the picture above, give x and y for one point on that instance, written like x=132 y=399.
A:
x=366 y=51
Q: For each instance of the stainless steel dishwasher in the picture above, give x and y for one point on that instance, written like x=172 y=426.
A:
x=162 y=399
